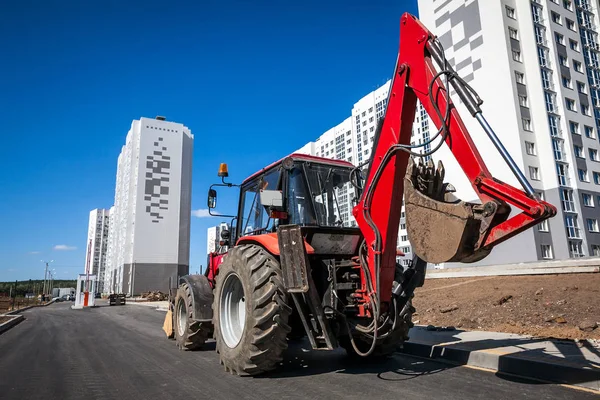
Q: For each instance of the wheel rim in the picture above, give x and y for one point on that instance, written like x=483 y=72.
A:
x=232 y=311
x=182 y=318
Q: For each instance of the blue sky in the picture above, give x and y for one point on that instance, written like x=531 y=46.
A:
x=254 y=81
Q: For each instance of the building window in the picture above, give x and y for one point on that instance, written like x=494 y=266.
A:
x=526 y=124
x=559 y=149
x=560 y=39
x=581 y=87
x=577 y=66
x=556 y=18
x=512 y=32
x=592 y=224
x=562 y=172
x=523 y=100
x=516 y=55
x=589 y=132
x=554 y=129
x=572 y=227
x=547 y=79
x=596 y=178
x=578 y=151
x=587 y=200
x=585 y=109
x=574 y=45
x=575 y=250
x=593 y=154
x=534 y=173
x=566 y=200
x=543 y=226
x=519 y=77
x=530 y=148
x=595 y=250
x=574 y=128
x=546 y=251
x=568 y=4
x=566 y=81
x=570 y=104
x=563 y=61
x=510 y=12
x=583 y=175
x=404 y=238
x=570 y=24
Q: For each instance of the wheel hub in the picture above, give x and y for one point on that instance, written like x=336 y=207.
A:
x=232 y=311
x=182 y=318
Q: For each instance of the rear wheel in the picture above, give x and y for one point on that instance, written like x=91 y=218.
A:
x=189 y=334
x=250 y=314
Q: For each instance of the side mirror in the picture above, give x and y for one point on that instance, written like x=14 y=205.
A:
x=272 y=201
x=271 y=198
x=212 y=198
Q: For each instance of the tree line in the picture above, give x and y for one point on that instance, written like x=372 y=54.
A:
x=33 y=286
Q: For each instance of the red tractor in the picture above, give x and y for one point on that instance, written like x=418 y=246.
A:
x=297 y=266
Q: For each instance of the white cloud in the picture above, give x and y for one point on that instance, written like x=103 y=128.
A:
x=202 y=213
x=34 y=252
x=64 y=247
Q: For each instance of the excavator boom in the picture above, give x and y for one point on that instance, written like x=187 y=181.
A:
x=440 y=229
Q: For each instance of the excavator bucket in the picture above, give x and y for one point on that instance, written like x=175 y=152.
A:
x=441 y=227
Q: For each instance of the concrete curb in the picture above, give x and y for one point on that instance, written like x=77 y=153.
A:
x=9 y=324
x=572 y=266
x=13 y=312
x=588 y=378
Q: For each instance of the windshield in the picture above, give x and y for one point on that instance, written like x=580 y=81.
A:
x=332 y=194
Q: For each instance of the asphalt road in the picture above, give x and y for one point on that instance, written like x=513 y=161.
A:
x=122 y=353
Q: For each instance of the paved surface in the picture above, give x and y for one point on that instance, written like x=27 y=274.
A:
x=545 y=359
x=121 y=352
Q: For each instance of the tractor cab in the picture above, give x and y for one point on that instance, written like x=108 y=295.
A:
x=314 y=193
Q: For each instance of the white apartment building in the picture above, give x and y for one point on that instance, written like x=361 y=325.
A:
x=536 y=66
x=97 y=242
x=149 y=236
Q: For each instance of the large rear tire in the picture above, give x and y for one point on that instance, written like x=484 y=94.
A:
x=189 y=334
x=250 y=311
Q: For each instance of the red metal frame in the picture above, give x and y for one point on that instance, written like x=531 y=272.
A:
x=302 y=157
x=413 y=75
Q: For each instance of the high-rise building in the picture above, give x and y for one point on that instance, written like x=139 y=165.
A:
x=97 y=242
x=149 y=238
x=536 y=65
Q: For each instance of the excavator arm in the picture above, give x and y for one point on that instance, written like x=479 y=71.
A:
x=440 y=227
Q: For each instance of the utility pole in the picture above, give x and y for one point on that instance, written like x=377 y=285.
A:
x=45 y=276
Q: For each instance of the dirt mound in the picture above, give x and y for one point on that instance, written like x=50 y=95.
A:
x=565 y=306
x=155 y=296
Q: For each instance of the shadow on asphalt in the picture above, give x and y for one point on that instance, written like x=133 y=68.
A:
x=299 y=360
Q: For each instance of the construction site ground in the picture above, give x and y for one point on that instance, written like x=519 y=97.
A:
x=562 y=306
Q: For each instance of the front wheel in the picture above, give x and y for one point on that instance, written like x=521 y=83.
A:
x=250 y=314
x=189 y=334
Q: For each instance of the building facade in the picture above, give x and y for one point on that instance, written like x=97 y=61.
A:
x=97 y=244
x=149 y=238
x=536 y=66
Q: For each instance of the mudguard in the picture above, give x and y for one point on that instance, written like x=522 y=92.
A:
x=202 y=298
